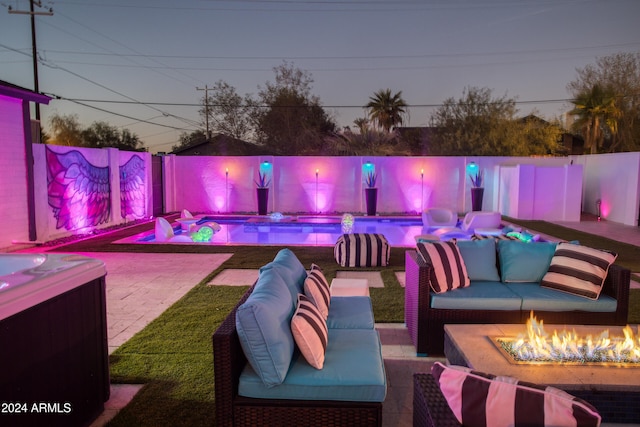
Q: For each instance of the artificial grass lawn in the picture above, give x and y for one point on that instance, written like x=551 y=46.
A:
x=173 y=355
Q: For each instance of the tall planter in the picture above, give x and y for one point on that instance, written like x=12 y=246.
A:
x=371 y=195
x=263 y=200
x=477 y=193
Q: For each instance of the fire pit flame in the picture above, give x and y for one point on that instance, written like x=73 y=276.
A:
x=567 y=346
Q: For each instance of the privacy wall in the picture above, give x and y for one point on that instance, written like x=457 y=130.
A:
x=337 y=184
x=81 y=189
x=614 y=181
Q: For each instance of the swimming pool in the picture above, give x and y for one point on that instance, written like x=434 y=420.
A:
x=303 y=230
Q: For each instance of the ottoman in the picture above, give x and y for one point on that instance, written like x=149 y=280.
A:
x=362 y=250
x=341 y=287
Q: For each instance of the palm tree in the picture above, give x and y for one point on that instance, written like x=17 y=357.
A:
x=597 y=115
x=386 y=110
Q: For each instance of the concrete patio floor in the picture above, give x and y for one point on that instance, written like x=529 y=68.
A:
x=137 y=292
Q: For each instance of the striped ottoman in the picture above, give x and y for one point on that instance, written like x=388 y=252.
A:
x=362 y=250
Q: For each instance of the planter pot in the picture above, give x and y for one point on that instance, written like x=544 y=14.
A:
x=476 y=198
x=371 y=195
x=263 y=199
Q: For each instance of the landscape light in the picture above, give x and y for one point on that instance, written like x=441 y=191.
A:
x=472 y=168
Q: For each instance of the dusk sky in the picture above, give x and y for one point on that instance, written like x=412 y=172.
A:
x=131 y=63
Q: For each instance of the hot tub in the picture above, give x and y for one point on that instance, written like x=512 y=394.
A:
x=54 y=366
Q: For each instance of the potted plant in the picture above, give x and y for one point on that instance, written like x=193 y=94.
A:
x=262 y=192
x=477 y=190
x=371 y=192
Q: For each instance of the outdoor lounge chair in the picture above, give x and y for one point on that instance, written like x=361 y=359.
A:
x=439 y=217
x=481 y=219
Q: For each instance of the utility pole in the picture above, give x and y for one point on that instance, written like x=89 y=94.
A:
x=206 y=108
x=34 y=50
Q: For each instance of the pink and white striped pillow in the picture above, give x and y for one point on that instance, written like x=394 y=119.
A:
x=316 y=288
x=478 y=399
x=578 y=270
x=310 y=332
x=448 y=271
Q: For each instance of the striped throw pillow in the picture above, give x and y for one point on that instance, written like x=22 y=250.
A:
x=480 y=399
x=309 y=330
x=495 y=237
x=316 y=288
x=315 y=266
x=578 y=270
x=448 y=269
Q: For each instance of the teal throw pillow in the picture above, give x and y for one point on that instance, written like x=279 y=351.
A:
x=524 y=262
x=480 y=258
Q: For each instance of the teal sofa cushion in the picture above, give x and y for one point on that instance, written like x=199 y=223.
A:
x=537 y=298
x=289 y=267
x=478 y=296
x=353 y=371
x=480 y=258
x=524 y=262
x=263 y=325
x=350 y=313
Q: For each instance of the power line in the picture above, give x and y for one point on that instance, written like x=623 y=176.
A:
x=135 y=54
x=357 y=57
x=341 y=6
x=178 y=104
x=122 y=115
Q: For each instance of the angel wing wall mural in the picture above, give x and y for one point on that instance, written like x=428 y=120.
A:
x=78 y=192
x=132 y=188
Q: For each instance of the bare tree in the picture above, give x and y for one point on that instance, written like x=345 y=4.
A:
x=229 y=113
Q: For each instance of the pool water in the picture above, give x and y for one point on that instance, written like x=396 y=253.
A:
x=295 y=230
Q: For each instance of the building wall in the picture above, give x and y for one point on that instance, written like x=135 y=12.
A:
x=14 y=225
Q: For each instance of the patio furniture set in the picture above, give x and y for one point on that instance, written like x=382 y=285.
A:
x=493 y=281
x=269 y=372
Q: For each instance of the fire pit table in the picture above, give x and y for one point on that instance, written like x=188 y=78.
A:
x=614 y=389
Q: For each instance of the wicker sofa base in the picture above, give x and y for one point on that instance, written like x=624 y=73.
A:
x=430 y=408
x=253 y=412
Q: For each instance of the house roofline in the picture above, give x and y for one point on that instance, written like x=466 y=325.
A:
x=18 y=92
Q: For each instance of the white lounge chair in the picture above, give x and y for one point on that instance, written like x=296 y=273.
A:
x=481 y=219
x=439 y=217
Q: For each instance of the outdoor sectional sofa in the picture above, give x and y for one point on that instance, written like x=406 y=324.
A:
x=505 y=287
x=263 y=378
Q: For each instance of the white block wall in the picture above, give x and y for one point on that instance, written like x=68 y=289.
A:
x=14 y=225
x=614 y=179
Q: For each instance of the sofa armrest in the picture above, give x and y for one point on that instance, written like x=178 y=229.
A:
x=430 y=408
x=228 y=362
x=417 y=297
x=616 y=285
